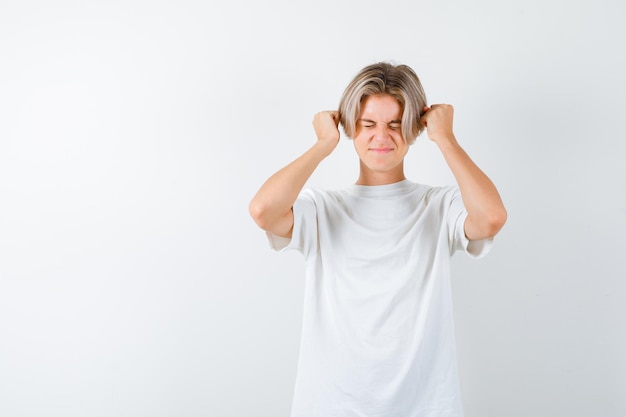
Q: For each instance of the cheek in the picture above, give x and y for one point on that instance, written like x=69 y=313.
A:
x=359 y=142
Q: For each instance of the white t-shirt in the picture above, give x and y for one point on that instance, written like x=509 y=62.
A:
x=377 y=333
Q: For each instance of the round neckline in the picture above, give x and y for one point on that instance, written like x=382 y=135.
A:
x=381 y=190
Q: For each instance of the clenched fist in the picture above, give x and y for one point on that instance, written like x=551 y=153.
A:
x=326 y=124
x=438 y=121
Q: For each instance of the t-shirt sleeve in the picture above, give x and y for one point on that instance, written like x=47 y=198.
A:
x=304 y=233
x=457 y=214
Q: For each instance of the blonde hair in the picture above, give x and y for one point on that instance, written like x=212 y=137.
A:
x=398 y=81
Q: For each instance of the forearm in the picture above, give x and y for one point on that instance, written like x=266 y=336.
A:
x=486 y=212
x=277 y=195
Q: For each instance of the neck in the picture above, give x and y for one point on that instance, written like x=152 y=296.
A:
x=369 y=177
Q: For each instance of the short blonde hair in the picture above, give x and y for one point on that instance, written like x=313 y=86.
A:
x=400 y=82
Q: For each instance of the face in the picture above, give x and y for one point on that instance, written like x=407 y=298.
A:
x=378 y=140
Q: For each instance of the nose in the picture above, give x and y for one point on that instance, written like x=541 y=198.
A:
x=381 y=131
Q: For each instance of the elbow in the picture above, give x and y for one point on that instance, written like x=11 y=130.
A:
x=257 y=212
x=261 y=214
x=271 y=218
x=495 y=222
x=485 y=226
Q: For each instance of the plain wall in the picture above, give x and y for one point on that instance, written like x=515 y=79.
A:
x=134 y=133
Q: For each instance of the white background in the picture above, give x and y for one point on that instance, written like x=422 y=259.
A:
x=134 y=133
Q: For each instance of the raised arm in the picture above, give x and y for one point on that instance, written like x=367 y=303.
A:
x=485 y=211
x=271 y=207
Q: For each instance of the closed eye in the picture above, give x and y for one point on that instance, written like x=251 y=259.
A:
x=393 y=125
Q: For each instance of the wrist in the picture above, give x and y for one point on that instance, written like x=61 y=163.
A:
x=323 y=148
x=445 y=140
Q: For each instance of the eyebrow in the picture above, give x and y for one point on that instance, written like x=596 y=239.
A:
x=371 y=121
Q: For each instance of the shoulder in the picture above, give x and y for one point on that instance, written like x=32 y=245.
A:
x=441 y=192
x=441 y=198
x=324 y=195
x=433 y=192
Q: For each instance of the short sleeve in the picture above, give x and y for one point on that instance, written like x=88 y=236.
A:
x=456 y=226
x=304 y=233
